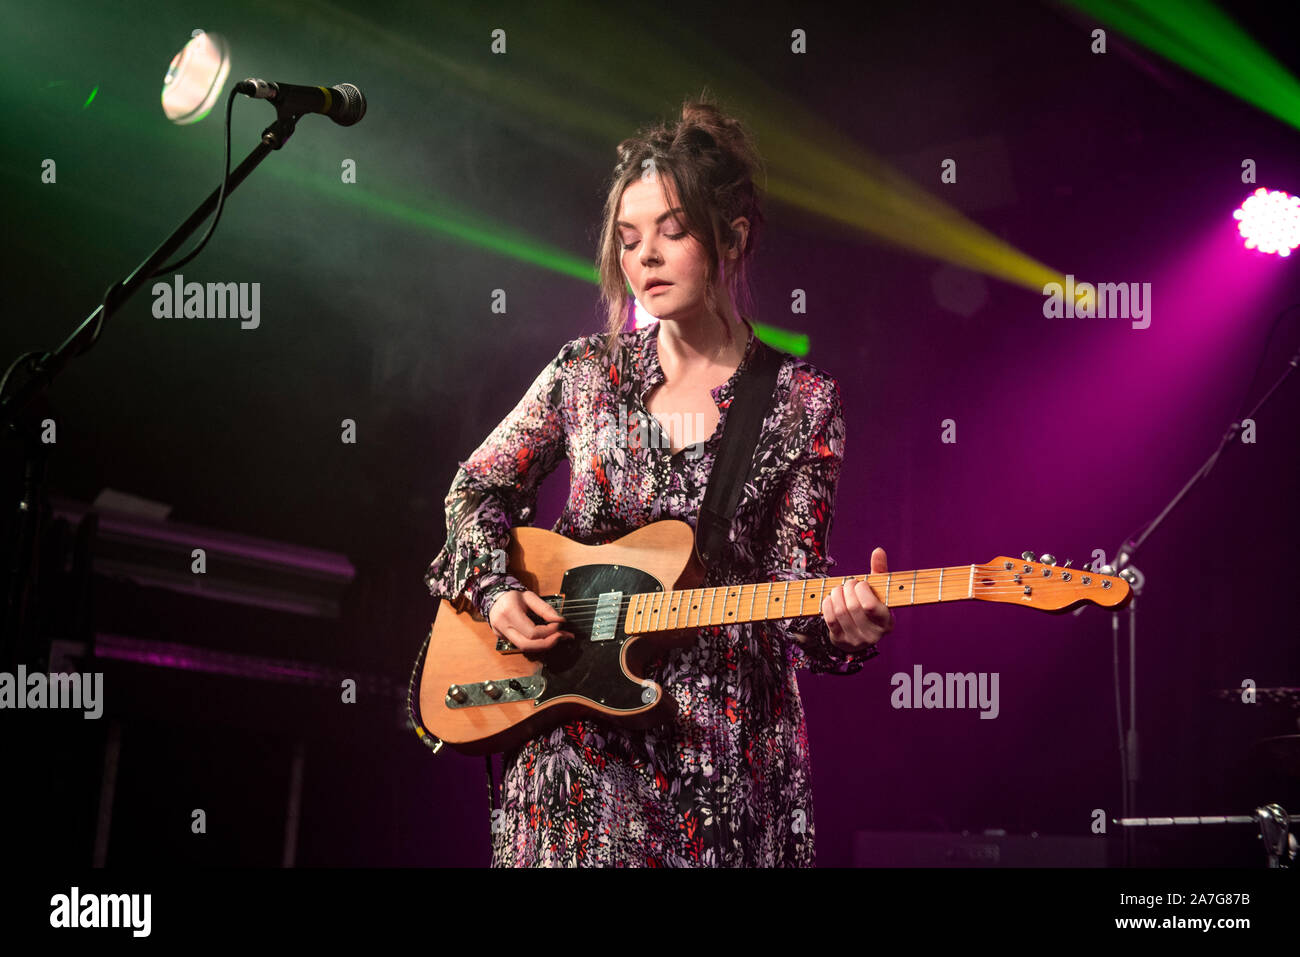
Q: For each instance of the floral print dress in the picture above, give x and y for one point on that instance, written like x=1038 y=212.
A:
x=727 y=782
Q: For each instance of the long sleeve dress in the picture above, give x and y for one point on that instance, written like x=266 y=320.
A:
x=727 y=782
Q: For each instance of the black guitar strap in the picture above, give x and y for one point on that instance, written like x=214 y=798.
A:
x=749 y=406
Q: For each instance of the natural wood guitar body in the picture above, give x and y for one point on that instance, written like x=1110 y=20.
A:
x=582 y=676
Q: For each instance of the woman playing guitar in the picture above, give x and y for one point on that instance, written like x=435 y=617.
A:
x=727 y=782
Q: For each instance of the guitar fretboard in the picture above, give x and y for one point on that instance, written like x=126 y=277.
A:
x=702 y=607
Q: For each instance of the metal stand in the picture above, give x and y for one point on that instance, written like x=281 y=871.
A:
x=1274 y=829
x=1125 y=568
x=17 y=636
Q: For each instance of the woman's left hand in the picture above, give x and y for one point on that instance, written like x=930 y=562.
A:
x=857 y=619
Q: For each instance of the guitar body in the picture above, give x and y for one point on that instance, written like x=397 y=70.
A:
x=509 y=696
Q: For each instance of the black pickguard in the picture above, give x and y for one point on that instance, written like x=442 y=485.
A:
x=591 y=668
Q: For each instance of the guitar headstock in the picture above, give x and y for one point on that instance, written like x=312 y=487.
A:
x=1046 y=585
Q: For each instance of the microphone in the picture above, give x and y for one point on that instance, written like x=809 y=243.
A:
x=343 y=104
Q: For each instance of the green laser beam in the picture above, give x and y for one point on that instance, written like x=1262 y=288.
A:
x=1206 y=42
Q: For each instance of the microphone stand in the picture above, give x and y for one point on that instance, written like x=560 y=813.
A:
x=20 y=593
x=1125 y=568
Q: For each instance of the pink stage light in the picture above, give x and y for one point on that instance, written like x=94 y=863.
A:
x=1269 y=220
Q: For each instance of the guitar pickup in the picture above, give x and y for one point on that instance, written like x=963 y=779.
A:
x=495 y=691
x=608 y=611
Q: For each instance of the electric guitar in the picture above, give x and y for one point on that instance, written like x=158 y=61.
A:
x=480 y=694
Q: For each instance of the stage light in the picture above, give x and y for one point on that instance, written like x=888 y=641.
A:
x=195 y=78
x=1269 y=220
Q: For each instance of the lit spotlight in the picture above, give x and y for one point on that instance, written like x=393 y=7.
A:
x=1269 y=220
x=195 y=78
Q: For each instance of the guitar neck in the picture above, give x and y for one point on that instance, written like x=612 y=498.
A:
x=766 y=601
x=1022 y=582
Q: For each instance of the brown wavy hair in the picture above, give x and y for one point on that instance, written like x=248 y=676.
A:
x=710 y=159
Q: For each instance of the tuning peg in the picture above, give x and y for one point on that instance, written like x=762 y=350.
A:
x=1048 y=559
x=1107 y=570
x=1027 y=556
x=1068 y=563
x=1128 y=575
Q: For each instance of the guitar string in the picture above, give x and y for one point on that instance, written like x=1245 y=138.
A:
x=1001 y=585
x=929 y=574
x=649 y=612
x=1007 y=588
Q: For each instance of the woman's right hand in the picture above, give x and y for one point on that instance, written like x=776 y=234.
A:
x=508 y=617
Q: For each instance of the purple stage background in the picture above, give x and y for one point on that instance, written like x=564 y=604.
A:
x=1072 y=434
